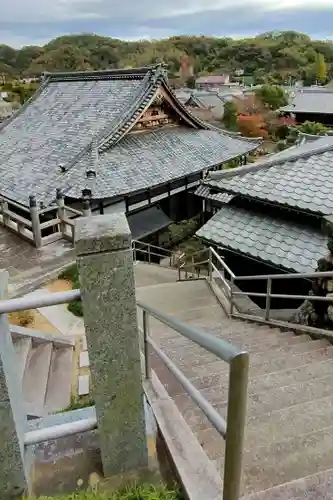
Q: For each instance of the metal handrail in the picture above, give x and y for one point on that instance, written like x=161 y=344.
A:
x=233 y=429
x=59 y=431
x=24 y=303
x=144 y=243
x=325 y=274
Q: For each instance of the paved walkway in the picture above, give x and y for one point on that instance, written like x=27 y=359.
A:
x=29 y=267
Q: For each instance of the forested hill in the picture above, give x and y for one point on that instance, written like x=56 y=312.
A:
x=270 y=56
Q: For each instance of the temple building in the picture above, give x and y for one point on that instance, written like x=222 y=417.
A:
x=314 y=104
x=115 y=140
x=269 y=217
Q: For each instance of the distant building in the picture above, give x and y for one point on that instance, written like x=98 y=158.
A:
x=208 y=82
x=313 y=104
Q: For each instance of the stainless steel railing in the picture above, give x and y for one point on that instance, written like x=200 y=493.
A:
x=233 y=428
x=269 y=278
x=149 y=251
x=217 y=266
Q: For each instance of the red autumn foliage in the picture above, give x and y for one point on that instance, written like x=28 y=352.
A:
x=252 y=126
x=287 y=121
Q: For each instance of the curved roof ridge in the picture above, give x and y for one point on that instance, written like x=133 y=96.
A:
x=307 y=150
x=102 y=74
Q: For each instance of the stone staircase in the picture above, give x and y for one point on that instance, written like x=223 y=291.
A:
x=289 y=436
x=44 y=364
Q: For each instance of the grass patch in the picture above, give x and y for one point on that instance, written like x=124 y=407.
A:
x=77 y=403
x=144 y=492
x=71 y=274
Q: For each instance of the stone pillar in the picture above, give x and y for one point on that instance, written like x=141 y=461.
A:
x=13 y=422
x=105 y=263
x=36 y=231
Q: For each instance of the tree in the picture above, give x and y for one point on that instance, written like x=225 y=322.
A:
x=230 y=115
x=313 y=128
x=321 y=69
x=190 y=82
x=252 y=126
x=272 y=96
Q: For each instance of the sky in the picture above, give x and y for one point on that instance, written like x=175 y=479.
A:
x=35 y=22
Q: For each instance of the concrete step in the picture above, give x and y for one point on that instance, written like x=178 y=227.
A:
x=279 y=425
x=315 y=487
x=292 y=459
x=217 y=394
x=22 y=349
x=59 y=384
x=287 y=396
x=35 y=378
x=151 y=274
x=278 y=463
x=197 y=363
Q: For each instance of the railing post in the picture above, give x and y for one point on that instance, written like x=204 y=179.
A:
x=14 y=472
x=86 y=208
x=61 y=210
x=4 y=208
x=236 y=420
x=105 y=263
x=232 y=305
x=149 y=257
x=36 y=231
x=210 y=267
x=145 y=328
x=268 y=298
x=134 y=250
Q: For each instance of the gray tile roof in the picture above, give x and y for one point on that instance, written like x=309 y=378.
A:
x=301 y=178
x=210 y=100
x=310 y=100
x=283 y=244
x=145 y=160
x=205 y=192
x=75 y=115
x=147 y=221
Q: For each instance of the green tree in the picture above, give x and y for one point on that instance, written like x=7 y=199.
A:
x=272 y=96
x=190 y=83
x=313 y=128
x=230 y=115
x=321 y=69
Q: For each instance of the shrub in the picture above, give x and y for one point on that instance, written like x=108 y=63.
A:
x=70 y=273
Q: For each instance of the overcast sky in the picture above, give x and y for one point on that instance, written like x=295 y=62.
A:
x=25 y=22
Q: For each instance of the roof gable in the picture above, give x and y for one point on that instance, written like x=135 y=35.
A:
x=301 y=178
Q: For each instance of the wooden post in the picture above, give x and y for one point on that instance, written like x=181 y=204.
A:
x=61 y=210
x=86 y=208
x=36 y=231
x=4 y=208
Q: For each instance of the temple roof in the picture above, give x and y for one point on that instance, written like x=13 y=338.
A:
x=281 y=243
x=78 y=121
x=316 y=100
x=300 y=178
